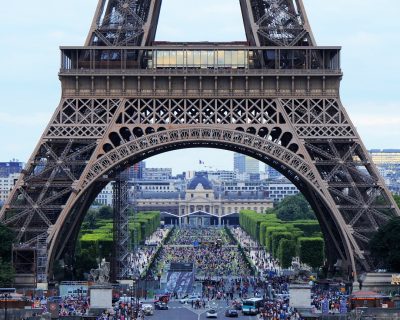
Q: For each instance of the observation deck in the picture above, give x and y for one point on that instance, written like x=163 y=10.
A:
x=203 y=59
x=200 y=69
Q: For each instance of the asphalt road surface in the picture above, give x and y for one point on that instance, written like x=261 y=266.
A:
x=178 y=311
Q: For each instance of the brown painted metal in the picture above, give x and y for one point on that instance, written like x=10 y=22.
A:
x=116 y=110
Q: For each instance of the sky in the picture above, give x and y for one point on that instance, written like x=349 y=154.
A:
x=31 y=33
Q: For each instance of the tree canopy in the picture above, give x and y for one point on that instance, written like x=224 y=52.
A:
x=294 y=208
x=385 y=245
x=6 y=270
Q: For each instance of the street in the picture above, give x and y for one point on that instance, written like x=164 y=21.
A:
x=178 y=311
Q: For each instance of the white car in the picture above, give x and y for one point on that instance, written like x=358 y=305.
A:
x=211 y=314
x=147 y=309
x=190 y=299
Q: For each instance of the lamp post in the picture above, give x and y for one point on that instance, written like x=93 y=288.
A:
x=135 y=300
x=132 y=309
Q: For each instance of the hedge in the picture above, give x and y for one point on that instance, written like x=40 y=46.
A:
x=263 y=229
x=100 y=240
x=251 y=222
x=311 y=251
x=285 y=239
x=268 y=237
x=286 y=252
x=276 y=238
x=309 y=227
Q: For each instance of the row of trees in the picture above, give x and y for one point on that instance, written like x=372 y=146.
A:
x=96 y=236
x=285 y=239
x=6 y=270
x=385 y=245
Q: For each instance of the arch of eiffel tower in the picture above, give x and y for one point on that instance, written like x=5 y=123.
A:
x=126 y=97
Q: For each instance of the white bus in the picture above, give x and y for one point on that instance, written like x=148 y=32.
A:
x=252 y=306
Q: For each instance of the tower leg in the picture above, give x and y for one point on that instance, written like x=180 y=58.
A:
x=120 y=263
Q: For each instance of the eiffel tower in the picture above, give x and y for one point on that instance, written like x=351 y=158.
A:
x=126 y=97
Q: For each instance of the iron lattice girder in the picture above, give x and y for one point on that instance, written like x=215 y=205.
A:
x=276 y=23
x=267 y=22
x=121 y=227
x=124 y=22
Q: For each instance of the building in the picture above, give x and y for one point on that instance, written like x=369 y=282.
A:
x=157 y=174
x=245 y=164
x=277 y=191
x=105 y=197
x=273 y=174
x=201 y=205
x=135 y=172
x=6 y=184
x=157 y=186
x=385 y=156
x=9 y=168
x=221 y=175
x=241 y=186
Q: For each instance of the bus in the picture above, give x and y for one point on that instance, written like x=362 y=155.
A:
x=252 y=306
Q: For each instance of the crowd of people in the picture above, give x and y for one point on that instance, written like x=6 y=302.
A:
x=262 y=260
x=211 y=250
x=189 y=236
x=333 y=299
x=141 y=259
x=74 y=306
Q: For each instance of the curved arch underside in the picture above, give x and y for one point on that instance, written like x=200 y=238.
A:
x=289 y=164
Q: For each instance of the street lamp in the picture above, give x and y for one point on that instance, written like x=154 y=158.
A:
x=134 y=287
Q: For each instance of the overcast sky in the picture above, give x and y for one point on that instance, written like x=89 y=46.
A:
x=32 y=31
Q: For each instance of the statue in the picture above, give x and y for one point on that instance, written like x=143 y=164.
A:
x=101 y=275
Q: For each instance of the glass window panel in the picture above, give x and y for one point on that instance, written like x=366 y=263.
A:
x=172 y=58
x=221 y=57
x=228 y=58
x=204 y=57
x=166 y=58
x=160 y=58
x=196 y=58
x=179 y=59
x=189 y=58
x=235 y=61
x=211 y=58
x=241 y=59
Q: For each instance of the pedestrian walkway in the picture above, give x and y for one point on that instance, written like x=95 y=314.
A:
x=262 y=260
x=140 y=260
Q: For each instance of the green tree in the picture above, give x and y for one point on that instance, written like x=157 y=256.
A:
x=385 y=245
x=105 y=212
x=286 y=252
x=84 y=262
x=7 y=237
x=311 y=251
x=90 y=220
x=6 y=274
x=294 y=208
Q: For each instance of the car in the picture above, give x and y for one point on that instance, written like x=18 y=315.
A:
x=211 y=314
x=160 y=305
x=190 y=299
x=147 y=309
x=162 y=298
x=231 y=313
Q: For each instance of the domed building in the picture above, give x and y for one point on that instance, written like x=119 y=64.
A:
x=202 y=205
